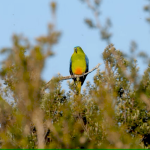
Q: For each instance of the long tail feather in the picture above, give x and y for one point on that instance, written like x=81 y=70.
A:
x=78 y=87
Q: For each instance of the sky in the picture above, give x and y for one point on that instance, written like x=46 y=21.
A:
x=31 y=18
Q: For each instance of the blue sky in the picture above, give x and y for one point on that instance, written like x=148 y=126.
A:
x=31 y=18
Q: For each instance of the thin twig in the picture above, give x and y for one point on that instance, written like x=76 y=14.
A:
x=69 y=77
x=77 y=76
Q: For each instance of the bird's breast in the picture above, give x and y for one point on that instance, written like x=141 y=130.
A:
x=78 y=65
x=78 y=70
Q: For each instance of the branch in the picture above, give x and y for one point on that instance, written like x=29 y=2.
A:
x=76 y=76
x=69 y=77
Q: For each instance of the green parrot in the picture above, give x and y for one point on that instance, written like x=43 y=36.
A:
x=79 y=64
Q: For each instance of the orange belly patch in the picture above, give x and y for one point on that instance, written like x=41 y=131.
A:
x=78 y=70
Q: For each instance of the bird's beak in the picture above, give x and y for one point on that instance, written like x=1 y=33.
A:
x=76 y=50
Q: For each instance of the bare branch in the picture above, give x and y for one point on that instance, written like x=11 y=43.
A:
x=77 y=76
x=69 y=77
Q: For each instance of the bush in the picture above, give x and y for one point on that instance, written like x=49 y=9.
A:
x=113 y=112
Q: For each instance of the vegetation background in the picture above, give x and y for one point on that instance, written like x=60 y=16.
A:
x=113 y=110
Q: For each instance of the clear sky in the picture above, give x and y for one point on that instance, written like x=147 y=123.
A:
x=31 y=17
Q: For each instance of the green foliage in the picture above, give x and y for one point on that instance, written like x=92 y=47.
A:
x=147 y=9
x=103 y=29
x=113 y=112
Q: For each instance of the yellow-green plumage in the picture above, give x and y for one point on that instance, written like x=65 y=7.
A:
x=79 y=64
x=78 y=61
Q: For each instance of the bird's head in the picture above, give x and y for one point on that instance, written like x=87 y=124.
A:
x=78 y=50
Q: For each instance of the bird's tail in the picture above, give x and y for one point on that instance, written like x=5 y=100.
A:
x=78 y=87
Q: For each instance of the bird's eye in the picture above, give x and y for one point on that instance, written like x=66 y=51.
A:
x=75 y=50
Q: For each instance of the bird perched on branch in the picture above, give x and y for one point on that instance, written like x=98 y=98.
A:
x=79 y=64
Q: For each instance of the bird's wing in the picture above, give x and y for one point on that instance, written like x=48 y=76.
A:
x=82 y=79
x=70 y=67
x=87 y=63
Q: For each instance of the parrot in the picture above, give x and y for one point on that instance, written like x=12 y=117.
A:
x=79 y=64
